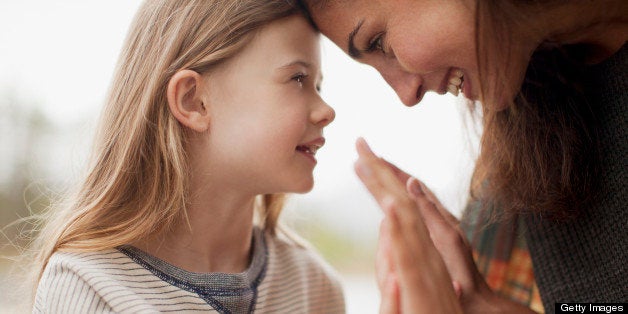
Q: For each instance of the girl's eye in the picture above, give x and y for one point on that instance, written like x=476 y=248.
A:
x=377 y=43
x=299 y=78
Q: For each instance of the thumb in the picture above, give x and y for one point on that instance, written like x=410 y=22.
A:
x=390 y=296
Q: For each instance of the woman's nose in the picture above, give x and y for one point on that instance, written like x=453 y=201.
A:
x=407 y=85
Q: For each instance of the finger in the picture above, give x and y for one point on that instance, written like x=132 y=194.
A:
x=436 y=211
x=423 y=279
x=374 y=172
x=457 y=288
x=383 y=263
x=363 y=148
x=390 y=296
x=432 y=217
x=443 y=231
x=409 y=232
x=446 y=214
x=446 y=237
x=400 y=174
x=407 y=245
x=381 y=181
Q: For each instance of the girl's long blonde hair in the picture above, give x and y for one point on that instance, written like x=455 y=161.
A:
x=137 y=177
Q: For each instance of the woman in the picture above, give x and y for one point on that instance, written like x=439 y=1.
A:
x=550 y=179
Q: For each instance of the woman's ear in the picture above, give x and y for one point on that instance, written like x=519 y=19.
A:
x=186 y=102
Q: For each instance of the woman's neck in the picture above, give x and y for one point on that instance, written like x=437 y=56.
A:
x=600 y=27
x=216 y=236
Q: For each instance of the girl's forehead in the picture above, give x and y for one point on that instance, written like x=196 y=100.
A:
x=291 y=36
x=286 y=43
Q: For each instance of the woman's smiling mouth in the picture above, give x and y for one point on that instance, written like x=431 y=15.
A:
x=455 y=82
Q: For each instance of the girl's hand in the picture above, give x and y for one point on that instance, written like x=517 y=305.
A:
x=386 y=276
x=422 y=278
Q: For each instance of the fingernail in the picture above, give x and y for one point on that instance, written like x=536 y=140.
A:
x=388 y=205
x=415 y=187
x=362 y=169
x=423 y=187
x=457 y=288
x=361 y=142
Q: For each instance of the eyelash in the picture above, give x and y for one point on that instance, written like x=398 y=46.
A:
x=300 y=78
x=377 y=43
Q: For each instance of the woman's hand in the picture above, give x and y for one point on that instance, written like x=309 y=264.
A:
x=474 y=294
x=417 y=237
x=472 y=290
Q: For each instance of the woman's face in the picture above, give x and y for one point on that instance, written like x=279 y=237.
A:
x=417 y=46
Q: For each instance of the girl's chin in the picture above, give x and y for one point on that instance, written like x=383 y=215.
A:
x=303 y=186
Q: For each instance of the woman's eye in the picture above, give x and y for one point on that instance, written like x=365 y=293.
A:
x=377 y=43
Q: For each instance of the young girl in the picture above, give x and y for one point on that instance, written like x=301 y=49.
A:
x=213 y=112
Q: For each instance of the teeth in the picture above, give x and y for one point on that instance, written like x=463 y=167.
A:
x=455 y=82
x=309 y=149
x=453 y=89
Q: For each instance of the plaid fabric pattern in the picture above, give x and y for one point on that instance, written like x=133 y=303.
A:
x=501 y=255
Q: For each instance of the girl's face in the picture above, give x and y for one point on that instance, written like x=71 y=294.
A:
x=266 y=113
x=416 y=45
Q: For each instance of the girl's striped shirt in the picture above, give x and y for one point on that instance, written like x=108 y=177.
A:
x=282 y=278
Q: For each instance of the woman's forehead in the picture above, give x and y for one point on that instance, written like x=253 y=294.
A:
x=332 y=13
x=336 y=19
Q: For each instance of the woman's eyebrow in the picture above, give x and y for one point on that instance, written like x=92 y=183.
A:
x=353 y=51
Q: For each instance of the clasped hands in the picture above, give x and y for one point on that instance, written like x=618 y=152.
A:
x=424 y=262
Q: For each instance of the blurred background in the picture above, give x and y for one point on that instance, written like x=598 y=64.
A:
x=57 y=58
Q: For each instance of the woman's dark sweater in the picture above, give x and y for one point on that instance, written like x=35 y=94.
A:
x=584 y=259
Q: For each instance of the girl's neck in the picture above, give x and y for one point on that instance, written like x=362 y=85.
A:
x=216 y=237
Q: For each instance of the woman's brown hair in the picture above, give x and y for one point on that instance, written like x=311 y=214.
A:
x=538 y=150
x=537 y=154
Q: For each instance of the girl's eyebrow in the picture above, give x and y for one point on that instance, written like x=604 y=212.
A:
x=296 y=62
x=301 y=63
x=354 y=52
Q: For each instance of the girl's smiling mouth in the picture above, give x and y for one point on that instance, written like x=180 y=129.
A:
x=310 y=148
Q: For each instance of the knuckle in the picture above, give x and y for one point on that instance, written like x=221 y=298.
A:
x=455 y=239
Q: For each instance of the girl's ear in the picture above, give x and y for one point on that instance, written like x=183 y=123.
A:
x=186 y=102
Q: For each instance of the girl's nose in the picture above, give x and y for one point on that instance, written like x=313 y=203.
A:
x=323 y=114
